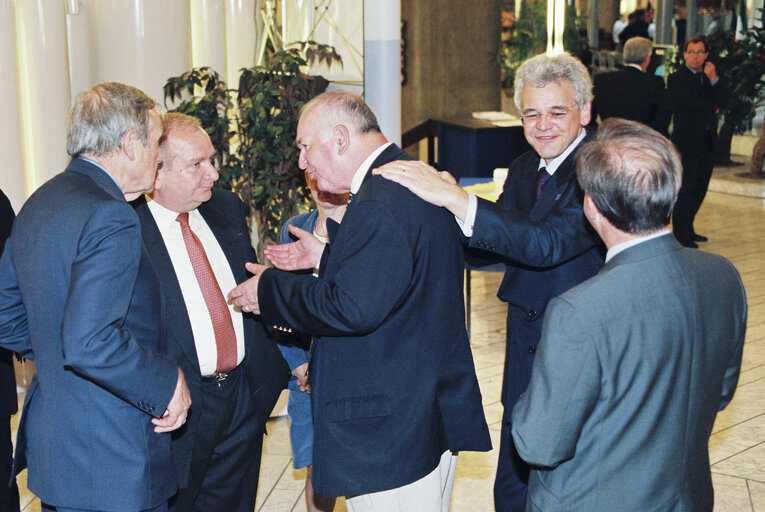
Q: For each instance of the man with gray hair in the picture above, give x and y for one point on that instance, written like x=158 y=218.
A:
x=78 y=296
x=536 y=228
x=632 y=93
x=633 y=364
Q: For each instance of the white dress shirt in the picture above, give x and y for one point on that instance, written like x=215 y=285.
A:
x=201 y=324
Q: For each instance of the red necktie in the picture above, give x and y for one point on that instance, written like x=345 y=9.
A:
x=225 y=338
x=542 y=178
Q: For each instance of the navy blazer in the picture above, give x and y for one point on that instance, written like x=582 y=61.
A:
x=694 y=121
x=547 y=246
x=225 y=214
x=393 y=381
x=78 y=295
x=632 y=94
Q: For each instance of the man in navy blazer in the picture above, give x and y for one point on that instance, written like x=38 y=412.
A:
x=78 y=295
x=217 y=453
x=630 y=92
x=536 y=228
x=394 y=390
x=633 y=364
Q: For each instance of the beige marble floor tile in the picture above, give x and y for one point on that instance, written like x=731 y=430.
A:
x=757 y=495
x=731 y=494
x=748 y=402
x=736 y=439
x=749 y=464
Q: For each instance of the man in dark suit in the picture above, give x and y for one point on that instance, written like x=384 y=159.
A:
x=637 y=26
x=79 y=297
x=536 y=228
x=631 y=93
x=394 y=390
x=9 y=494
x=217 y=453
x=694 y=95
x=633 y=364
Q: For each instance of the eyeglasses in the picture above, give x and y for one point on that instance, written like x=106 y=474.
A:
x=696 y=52
x=554 y=116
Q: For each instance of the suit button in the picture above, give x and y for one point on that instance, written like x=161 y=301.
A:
x=532 y=349
x=532 y=314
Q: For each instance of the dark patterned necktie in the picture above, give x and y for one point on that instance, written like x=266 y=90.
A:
x=223 y=326
x=542 y=178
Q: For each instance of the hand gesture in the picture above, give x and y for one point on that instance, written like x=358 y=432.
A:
x=300 y=255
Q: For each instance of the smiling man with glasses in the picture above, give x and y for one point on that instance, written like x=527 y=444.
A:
x=536 y=228
x=694 y=95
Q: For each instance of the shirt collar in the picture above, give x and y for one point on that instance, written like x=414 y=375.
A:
x=555 y=163
x=616 y=249
x=102 y=168
x=358 y=177
x=165 y=216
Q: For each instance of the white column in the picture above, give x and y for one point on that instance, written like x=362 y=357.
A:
x=12 y=162
x=382 y=64
x=138 y=42
x=208 y=44
x=43 y=85
x=241 y=38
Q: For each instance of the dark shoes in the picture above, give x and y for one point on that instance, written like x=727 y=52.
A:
x=688 y=243
x=699 y=238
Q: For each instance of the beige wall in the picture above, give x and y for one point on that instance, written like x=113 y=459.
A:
x=450 y=58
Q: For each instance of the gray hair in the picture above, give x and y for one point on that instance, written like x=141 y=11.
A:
x=544 y=69
x=103 y=114
x=632 y=173
x=637 y=49
x=344 y=107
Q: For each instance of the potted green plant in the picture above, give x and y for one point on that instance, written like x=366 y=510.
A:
x=253 y=129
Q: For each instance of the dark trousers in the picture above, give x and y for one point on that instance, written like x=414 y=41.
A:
x=512 y=480
x=9 y=495
x=225 y=464
x=48 y=508
x=697 y=171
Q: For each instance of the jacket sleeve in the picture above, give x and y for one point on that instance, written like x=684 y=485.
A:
x=101 y=286
x=374 y=266
x=14 y=329
x=564 y=388
x=557 y=237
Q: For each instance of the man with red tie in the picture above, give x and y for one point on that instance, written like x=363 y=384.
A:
x=198 y=241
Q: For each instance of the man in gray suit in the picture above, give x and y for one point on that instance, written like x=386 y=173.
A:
x=635 y=362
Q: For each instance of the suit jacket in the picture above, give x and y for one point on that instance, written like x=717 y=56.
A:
x=632 y=368
x=8 y=399
x=694 y=125
x=548 y=247
x=393 y=382
x=264 y=368
x=78 y=295
x=630 y=93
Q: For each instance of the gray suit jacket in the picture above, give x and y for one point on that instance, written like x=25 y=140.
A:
x=631 y=370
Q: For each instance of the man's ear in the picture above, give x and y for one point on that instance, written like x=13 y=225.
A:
x=585 y=114
x=341 y=137
x=128 y=142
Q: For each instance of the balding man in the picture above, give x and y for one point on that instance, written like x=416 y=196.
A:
x=393 y=384
x=198 y=241
x=632 y=93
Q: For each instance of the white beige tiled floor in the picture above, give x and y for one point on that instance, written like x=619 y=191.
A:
x=735 y=226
